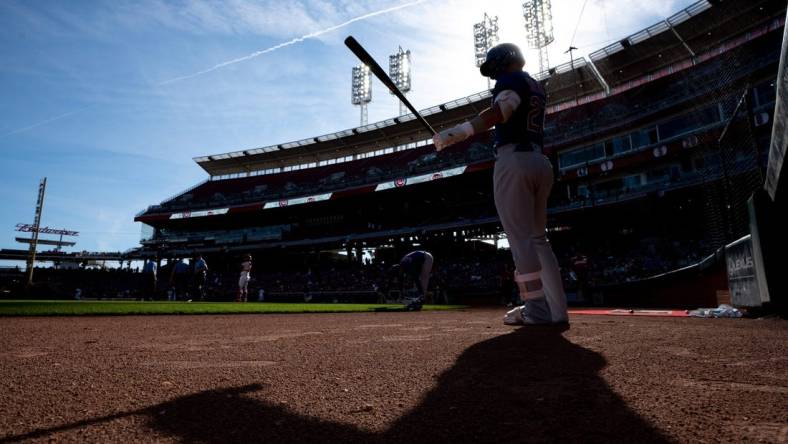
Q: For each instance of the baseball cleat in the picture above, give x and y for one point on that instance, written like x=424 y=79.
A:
x=414 y=304
x=514 y=316
x=532 y=312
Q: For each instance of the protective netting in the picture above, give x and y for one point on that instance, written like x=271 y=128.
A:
x=737 y=97
x=732 y=172
x=667 y=161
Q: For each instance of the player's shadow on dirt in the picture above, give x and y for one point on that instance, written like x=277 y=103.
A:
x=531 y=385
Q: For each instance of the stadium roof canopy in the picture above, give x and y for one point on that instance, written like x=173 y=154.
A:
x=678 y=38
x=375 y=136
x=683 y=35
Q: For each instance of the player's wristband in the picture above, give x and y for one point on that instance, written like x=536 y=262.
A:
x=467 y=128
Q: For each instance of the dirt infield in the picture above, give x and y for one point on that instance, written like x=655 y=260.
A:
x=392 y=377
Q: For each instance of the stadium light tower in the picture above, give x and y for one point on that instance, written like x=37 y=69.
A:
x=361 y=93
x=399 y=71
x=31 y=255
x=539 y=28
x=485 y=36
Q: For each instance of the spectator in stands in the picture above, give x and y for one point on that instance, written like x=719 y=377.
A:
x=149 y=271
x=200 y=276
x=523 y=178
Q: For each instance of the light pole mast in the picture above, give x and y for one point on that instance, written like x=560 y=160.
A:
x=485 y=36
x=539 y=28
x=361 y=91
x=31 y=255
x=400 y=73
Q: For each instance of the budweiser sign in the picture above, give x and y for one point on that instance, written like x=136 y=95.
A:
x=29 y=228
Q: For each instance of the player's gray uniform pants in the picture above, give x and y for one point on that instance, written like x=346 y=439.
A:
x=522 y=184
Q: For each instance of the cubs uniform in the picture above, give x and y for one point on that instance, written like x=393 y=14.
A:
x=243 y=281
x=418 y=265
x=522 y=180
x=200 y=276
x=149 y=271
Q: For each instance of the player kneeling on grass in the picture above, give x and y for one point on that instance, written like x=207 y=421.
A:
x=417 y=265
x=243 y=282
x=522 y=180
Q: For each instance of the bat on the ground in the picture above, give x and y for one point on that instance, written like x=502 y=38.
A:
x=367 y=59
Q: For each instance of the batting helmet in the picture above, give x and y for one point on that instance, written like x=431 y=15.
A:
x=499 y=57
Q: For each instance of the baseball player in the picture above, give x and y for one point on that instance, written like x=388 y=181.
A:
x=179 y=279
x=523 y=177
x=243 y=282
x=149 y=271
x=417 y=265
x=200 y=276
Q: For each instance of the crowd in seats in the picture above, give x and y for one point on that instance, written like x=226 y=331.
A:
x=490 y=274
x=71 y=283
x=658 y=96
x=726 y=20
x=610 y=263
x=571 y=84
x=328 y=178
x=649 y=55
x=693 y=37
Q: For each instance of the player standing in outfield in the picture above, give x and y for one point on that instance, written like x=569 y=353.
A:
x=149 y=271
x=243 y=282
x=179 y=279
x=200 y=276
x=523 y=177
x=417 y=265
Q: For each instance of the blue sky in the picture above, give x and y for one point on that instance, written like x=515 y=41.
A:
x=87 y=96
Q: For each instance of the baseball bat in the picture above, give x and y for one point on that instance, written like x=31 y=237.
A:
x=367 y=59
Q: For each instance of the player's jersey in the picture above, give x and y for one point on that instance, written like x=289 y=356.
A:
x=200 y=266
x=181 y=268
x=526 y=124
x=150 y=268
x=413 y=262
x=246 y=267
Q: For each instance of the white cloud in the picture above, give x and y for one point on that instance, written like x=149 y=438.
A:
x=296 y=40
x=37 y=124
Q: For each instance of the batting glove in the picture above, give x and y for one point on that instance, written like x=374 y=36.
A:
x=452 y=135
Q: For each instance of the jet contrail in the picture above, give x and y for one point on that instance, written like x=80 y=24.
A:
x=43 y=122
x=292 y=42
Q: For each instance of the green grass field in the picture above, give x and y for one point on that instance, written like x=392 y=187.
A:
x=108 y=308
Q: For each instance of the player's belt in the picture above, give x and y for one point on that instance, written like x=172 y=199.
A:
x=520 y=147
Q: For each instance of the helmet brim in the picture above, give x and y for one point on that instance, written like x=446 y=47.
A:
x=486 y=69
